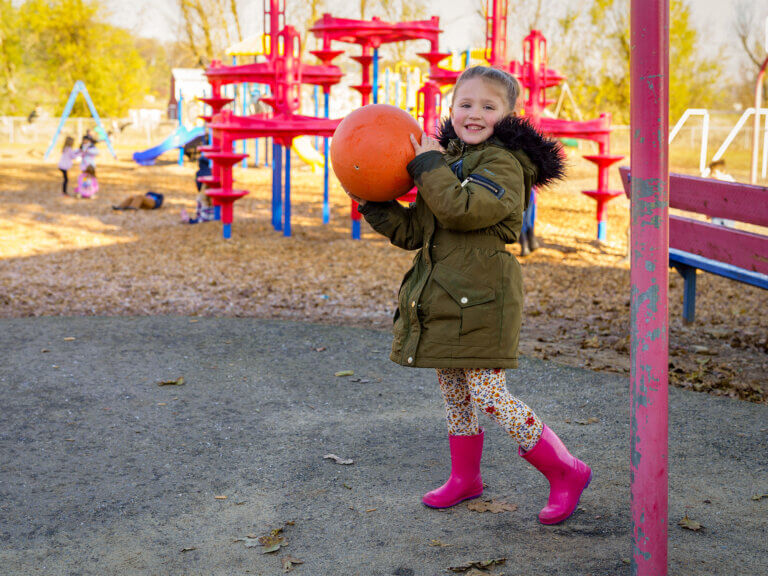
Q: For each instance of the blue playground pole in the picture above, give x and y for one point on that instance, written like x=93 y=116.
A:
x=287 y=203
x=355 y=229
x=326 y=202
x=226 y=231
x=375 y=75
x=529 y=215
x=316 y=97
x=601 y=229
x=277 y=187
x=386 y=86
x=179 y=111
x=467 y=58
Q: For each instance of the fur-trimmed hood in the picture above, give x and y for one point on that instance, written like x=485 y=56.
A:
x=516 y=133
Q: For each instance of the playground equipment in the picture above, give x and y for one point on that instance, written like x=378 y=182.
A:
x=79 y=88
x=375 y=168
x=371 y=35
x=737 y=128
x=535 y=77
x=700 y=245
x=704 y=133
x=284 y=73
x=178 y=139
x=303 y=148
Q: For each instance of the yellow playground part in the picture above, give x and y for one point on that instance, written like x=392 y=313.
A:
x=256 y=45
x=304 y=149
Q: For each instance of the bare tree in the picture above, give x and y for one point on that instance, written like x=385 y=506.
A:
x=748 y=27
x=209 y=27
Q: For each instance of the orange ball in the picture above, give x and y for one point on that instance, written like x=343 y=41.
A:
x=371 y=149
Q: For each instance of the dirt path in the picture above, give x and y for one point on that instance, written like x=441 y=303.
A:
x=75 y=257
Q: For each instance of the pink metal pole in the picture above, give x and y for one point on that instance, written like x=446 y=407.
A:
x=756 y=126
x=649 y=98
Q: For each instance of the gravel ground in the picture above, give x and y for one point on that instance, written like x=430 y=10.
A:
x=103 y=471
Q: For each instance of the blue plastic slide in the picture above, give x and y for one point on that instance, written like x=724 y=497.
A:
x=178 y=139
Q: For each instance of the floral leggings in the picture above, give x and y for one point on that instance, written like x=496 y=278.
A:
x=465 y=388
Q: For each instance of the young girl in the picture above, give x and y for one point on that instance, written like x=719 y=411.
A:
x=460 y=304
x=68 y=155
x=87 y=184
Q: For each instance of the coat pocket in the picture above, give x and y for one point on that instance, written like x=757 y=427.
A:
x=475 y=301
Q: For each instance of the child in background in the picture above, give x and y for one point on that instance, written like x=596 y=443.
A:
x=68 y=155
x=88 y=153
x=148 y=201
x=205 y=211
x=460 y=305
x=87 y=184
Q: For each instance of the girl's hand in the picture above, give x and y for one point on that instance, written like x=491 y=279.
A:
x=427 y=143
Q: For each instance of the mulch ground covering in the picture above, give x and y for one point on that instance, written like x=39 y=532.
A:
x=63 y=256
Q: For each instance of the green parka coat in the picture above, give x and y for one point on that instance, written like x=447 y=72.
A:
x=460 y=304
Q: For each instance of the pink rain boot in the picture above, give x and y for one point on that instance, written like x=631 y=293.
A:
x=465 y=481
x=568 y=476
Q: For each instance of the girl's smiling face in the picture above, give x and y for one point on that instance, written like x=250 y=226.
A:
x=477 y=106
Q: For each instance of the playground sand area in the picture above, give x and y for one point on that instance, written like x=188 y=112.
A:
x=63 y=256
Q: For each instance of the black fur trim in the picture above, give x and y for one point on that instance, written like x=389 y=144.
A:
x=517 y=133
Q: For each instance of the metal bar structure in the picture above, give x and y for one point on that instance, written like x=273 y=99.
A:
x=649 y=276
x=78 y=88
x=287 y=201
x=704 y=113
x=180 y=113
x=326 y=160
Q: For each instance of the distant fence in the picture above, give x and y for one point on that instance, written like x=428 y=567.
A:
x=122 y=131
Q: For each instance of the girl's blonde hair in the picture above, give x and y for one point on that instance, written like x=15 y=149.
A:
x=68 y=141
x=502 y=79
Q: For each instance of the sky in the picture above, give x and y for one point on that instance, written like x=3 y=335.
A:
x=159 y=18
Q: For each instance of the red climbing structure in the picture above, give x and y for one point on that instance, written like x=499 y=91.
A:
x=284 y=72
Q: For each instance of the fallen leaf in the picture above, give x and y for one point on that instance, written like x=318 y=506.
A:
x=481 y=565
x=69 y=338
x=188 y=549
x=248 y=541
x=193 y=320
x=288 y=562
x=178 y=382
x=759 y=496
x=222 y=497
x=588 y=421
x=272 y=541
x=347 y=486
x=436 y=542
x=493 y=506
x=345 y=373
x=338 y=459
x=689 y=524
x=44 y=350
x=371 y=509
x=162 y=403
x=592 y=342
x=321 y=349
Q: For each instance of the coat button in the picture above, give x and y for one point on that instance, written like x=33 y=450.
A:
x=464 y=300
x=410 y=359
